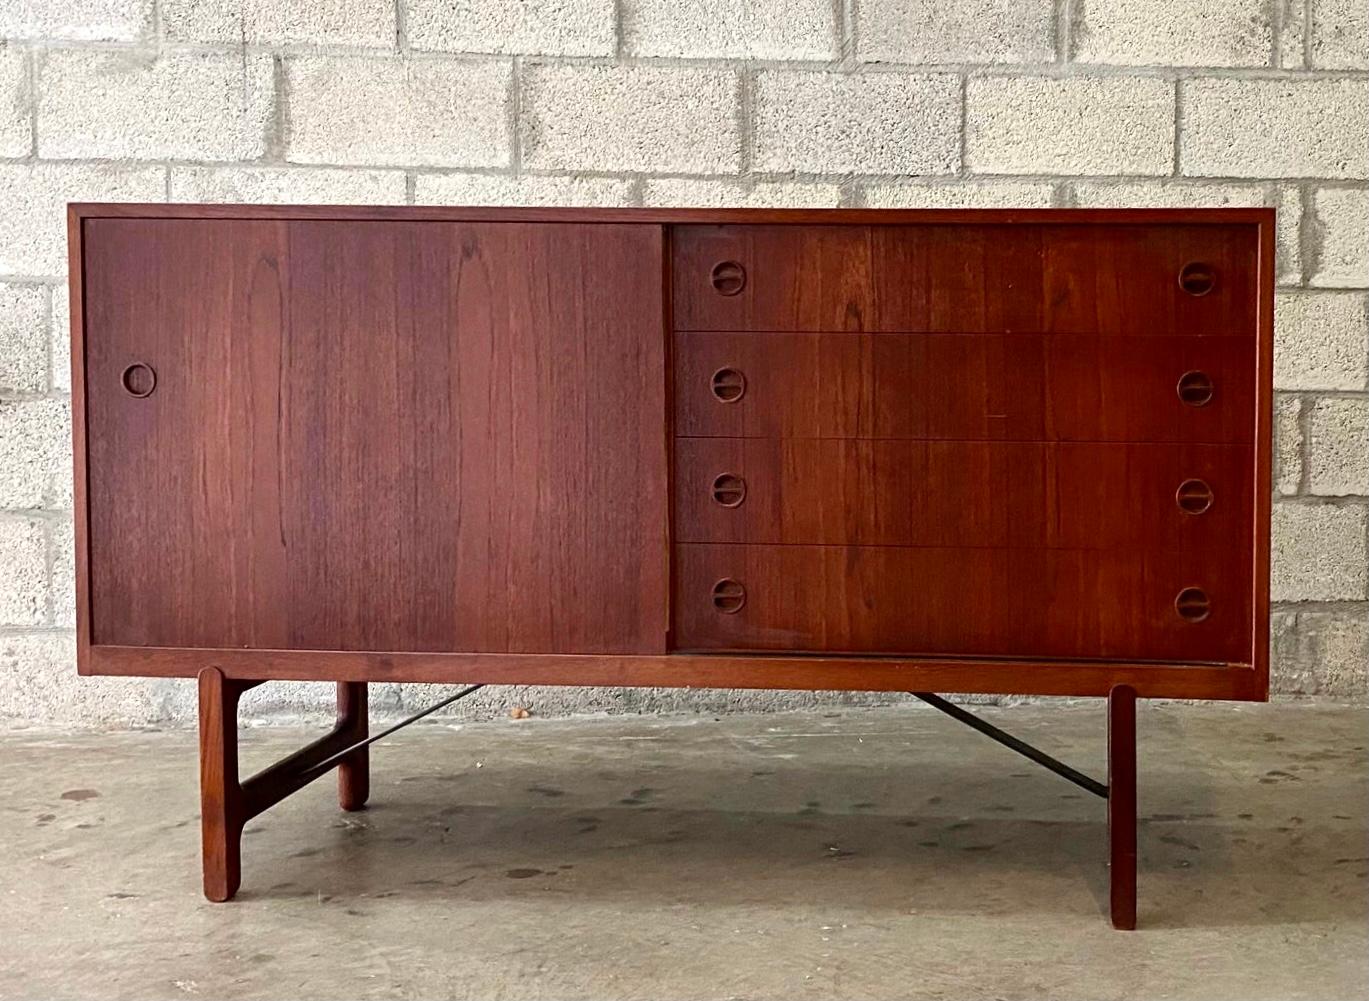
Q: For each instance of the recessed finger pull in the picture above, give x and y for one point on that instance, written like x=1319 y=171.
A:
x=1191 y=603
x=727 y=277
x=729 y=489
x=1197 y=278
x=729 y=596
x=1195 y=388
x=1193 y=496
x=139 y=380
x=728 y=385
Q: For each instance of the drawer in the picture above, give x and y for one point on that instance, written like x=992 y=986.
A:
x=1136 y=280
x=953 y=386
x=1086 y=604
x=888 y=492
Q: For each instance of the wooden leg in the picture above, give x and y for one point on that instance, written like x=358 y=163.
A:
x=1122 y=804
x=221 y=806
x=353 y=771
x=227 y=802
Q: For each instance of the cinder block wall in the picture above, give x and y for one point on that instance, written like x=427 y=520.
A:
x=692 y=102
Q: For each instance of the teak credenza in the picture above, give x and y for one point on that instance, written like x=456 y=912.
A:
x=971 y=451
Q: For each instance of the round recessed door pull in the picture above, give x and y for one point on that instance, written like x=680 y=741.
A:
x=1195 y=388
x=1197 y=278
x=727 y=277
x=728 y=385
x=729 y=596
x=1191 y=603
x=729 y=489
x=1193 y=496
x=139 y=380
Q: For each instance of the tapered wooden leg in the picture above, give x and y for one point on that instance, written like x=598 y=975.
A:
x=221 y=807
x=1122 y=804
x=353 y=771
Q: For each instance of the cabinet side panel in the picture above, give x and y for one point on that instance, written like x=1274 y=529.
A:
x=388 y=436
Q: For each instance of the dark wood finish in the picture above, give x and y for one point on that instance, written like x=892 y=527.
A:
x=1032 y=603
x=227 y=804
x=1122 y=806
x=1094 y=279
x=888 y=492
x=983 y=451
x=957 y=387
x=354 y=771
x=414 y=436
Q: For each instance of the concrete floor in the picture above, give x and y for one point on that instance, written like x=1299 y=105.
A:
x=862 y=854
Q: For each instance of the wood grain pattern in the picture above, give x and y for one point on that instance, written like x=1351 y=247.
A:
x=1122 y=807
x=890 y=492
x=377 y=437
x=1087 y=279
x=1013 y=388
x=1027 y=603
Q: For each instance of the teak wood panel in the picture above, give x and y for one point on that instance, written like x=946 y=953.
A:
x=403 y=436
x=1028 y=603
x=957 y=386
x=1087 y=279
x=966 y=494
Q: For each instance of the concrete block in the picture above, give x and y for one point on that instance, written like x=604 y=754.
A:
x=1002 y=194
x=280 y=22
x=61 y=542
x=864 y=123
x=1321 y=340
x=959 y=31
x=23 y=338
x=498 y=189
x=1073 y=125
x=513 y=27
x=1236 y=127
x=1288 y=262
x=1318 y=552
x=136 y=106
x=288 y=185
x=726 y=29
x=33 y=204
x=395 y=112
x=686 y=193
x=1340 y=221
x=1340 y=34
x=23 y=572
x=16 y=131
x=59 y=351
x=1287 y=443
x=1338 y=447
x=39 y=685
x=1319 y=653
x=637 y=118
x=76 y=20
x=1291 y=17
x=1174 y=32
x=35 y=453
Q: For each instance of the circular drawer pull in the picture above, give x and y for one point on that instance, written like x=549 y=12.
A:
x=1195 y=388
x=1193 y=496
x=729 y=596
x=728 y=385
x=139 y=380
x=728 y=277
x=729 y=489
x=1197 y=278
x=1192 y=604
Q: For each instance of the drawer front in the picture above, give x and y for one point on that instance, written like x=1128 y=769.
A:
x=1164 y=498
x=1132 y=280
x=951 y=387
x=941 y=601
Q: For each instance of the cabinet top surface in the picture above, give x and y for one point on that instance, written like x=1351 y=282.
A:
x=663 y=216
